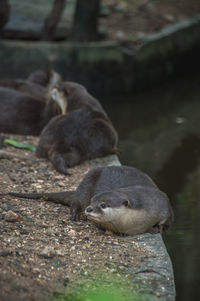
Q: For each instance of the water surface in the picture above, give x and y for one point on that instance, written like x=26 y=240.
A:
x=159 y=133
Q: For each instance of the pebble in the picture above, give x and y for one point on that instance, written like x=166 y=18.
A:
x=36 y=185
x=48 y=252
x=72 y=232
x=59 y=253
x=11 y=216
x=40 y=181
x=5 y=253
x=108 y=232
x=66 y=281
x=120 y=35
x=61 y=184
x=170 y=18
x=60 y=177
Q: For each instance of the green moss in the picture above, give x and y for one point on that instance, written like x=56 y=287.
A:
x=100 y=54
x=104 y=287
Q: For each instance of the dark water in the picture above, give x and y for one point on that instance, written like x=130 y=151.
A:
x=159 y=132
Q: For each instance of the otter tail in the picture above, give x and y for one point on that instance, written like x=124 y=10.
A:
x=64 y=198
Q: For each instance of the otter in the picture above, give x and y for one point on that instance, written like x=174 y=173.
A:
x=84 y=133
x=42 y=77
x=69 y=140
x=122 y=199
x=26 y=107
x=24 y=86
x=76 y=96
x=37 y=84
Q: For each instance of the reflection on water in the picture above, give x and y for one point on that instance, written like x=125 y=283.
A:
x=184 y=159
x=159 y=132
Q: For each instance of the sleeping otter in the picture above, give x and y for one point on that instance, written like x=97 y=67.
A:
x=84 y=133
x=25 y=86
x=41 y=77
x=119 y=198
x=37 y=84
x=26 y=107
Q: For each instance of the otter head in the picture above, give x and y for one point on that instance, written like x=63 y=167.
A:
x=115 y=211
x=109 y=209
x=55 y=91
x=57 y=94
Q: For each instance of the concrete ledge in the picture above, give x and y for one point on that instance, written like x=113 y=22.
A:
x=110 y=67
x=43 y=252
x=150 y=279
x=171 y=52
x=153 y=277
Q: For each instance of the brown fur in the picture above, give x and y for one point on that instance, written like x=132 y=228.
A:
x=85 y=132
x=40 y=77
x=25 y=86
x=25 y=107
x=133 y=202
x=78 y=97
x=20 y=113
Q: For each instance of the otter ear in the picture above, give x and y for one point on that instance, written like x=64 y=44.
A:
x=126 y=203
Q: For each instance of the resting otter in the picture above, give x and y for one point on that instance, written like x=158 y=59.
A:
x=84 y=133
x=41 y=77
x=26 y=107
x=37 y=84
x=76 y=96
x=68 y=140
x=24 y=86
x=119 y=198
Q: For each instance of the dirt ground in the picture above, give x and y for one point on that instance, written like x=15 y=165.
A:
x=129 y=19
x=41 y=248
x=118 y=20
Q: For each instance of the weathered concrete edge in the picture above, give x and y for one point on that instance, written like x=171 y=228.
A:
x=110 y=67
x=154 y=278
x=171 y=52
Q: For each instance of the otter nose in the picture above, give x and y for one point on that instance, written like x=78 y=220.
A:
x=89 y=209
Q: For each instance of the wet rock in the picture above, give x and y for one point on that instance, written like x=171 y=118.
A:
x=11 y=216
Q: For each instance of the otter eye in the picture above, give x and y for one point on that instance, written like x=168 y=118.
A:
x=126 y=203
x=103 y=205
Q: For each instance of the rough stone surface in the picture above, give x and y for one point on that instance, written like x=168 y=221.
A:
x=154 y=274
x=172 y=51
